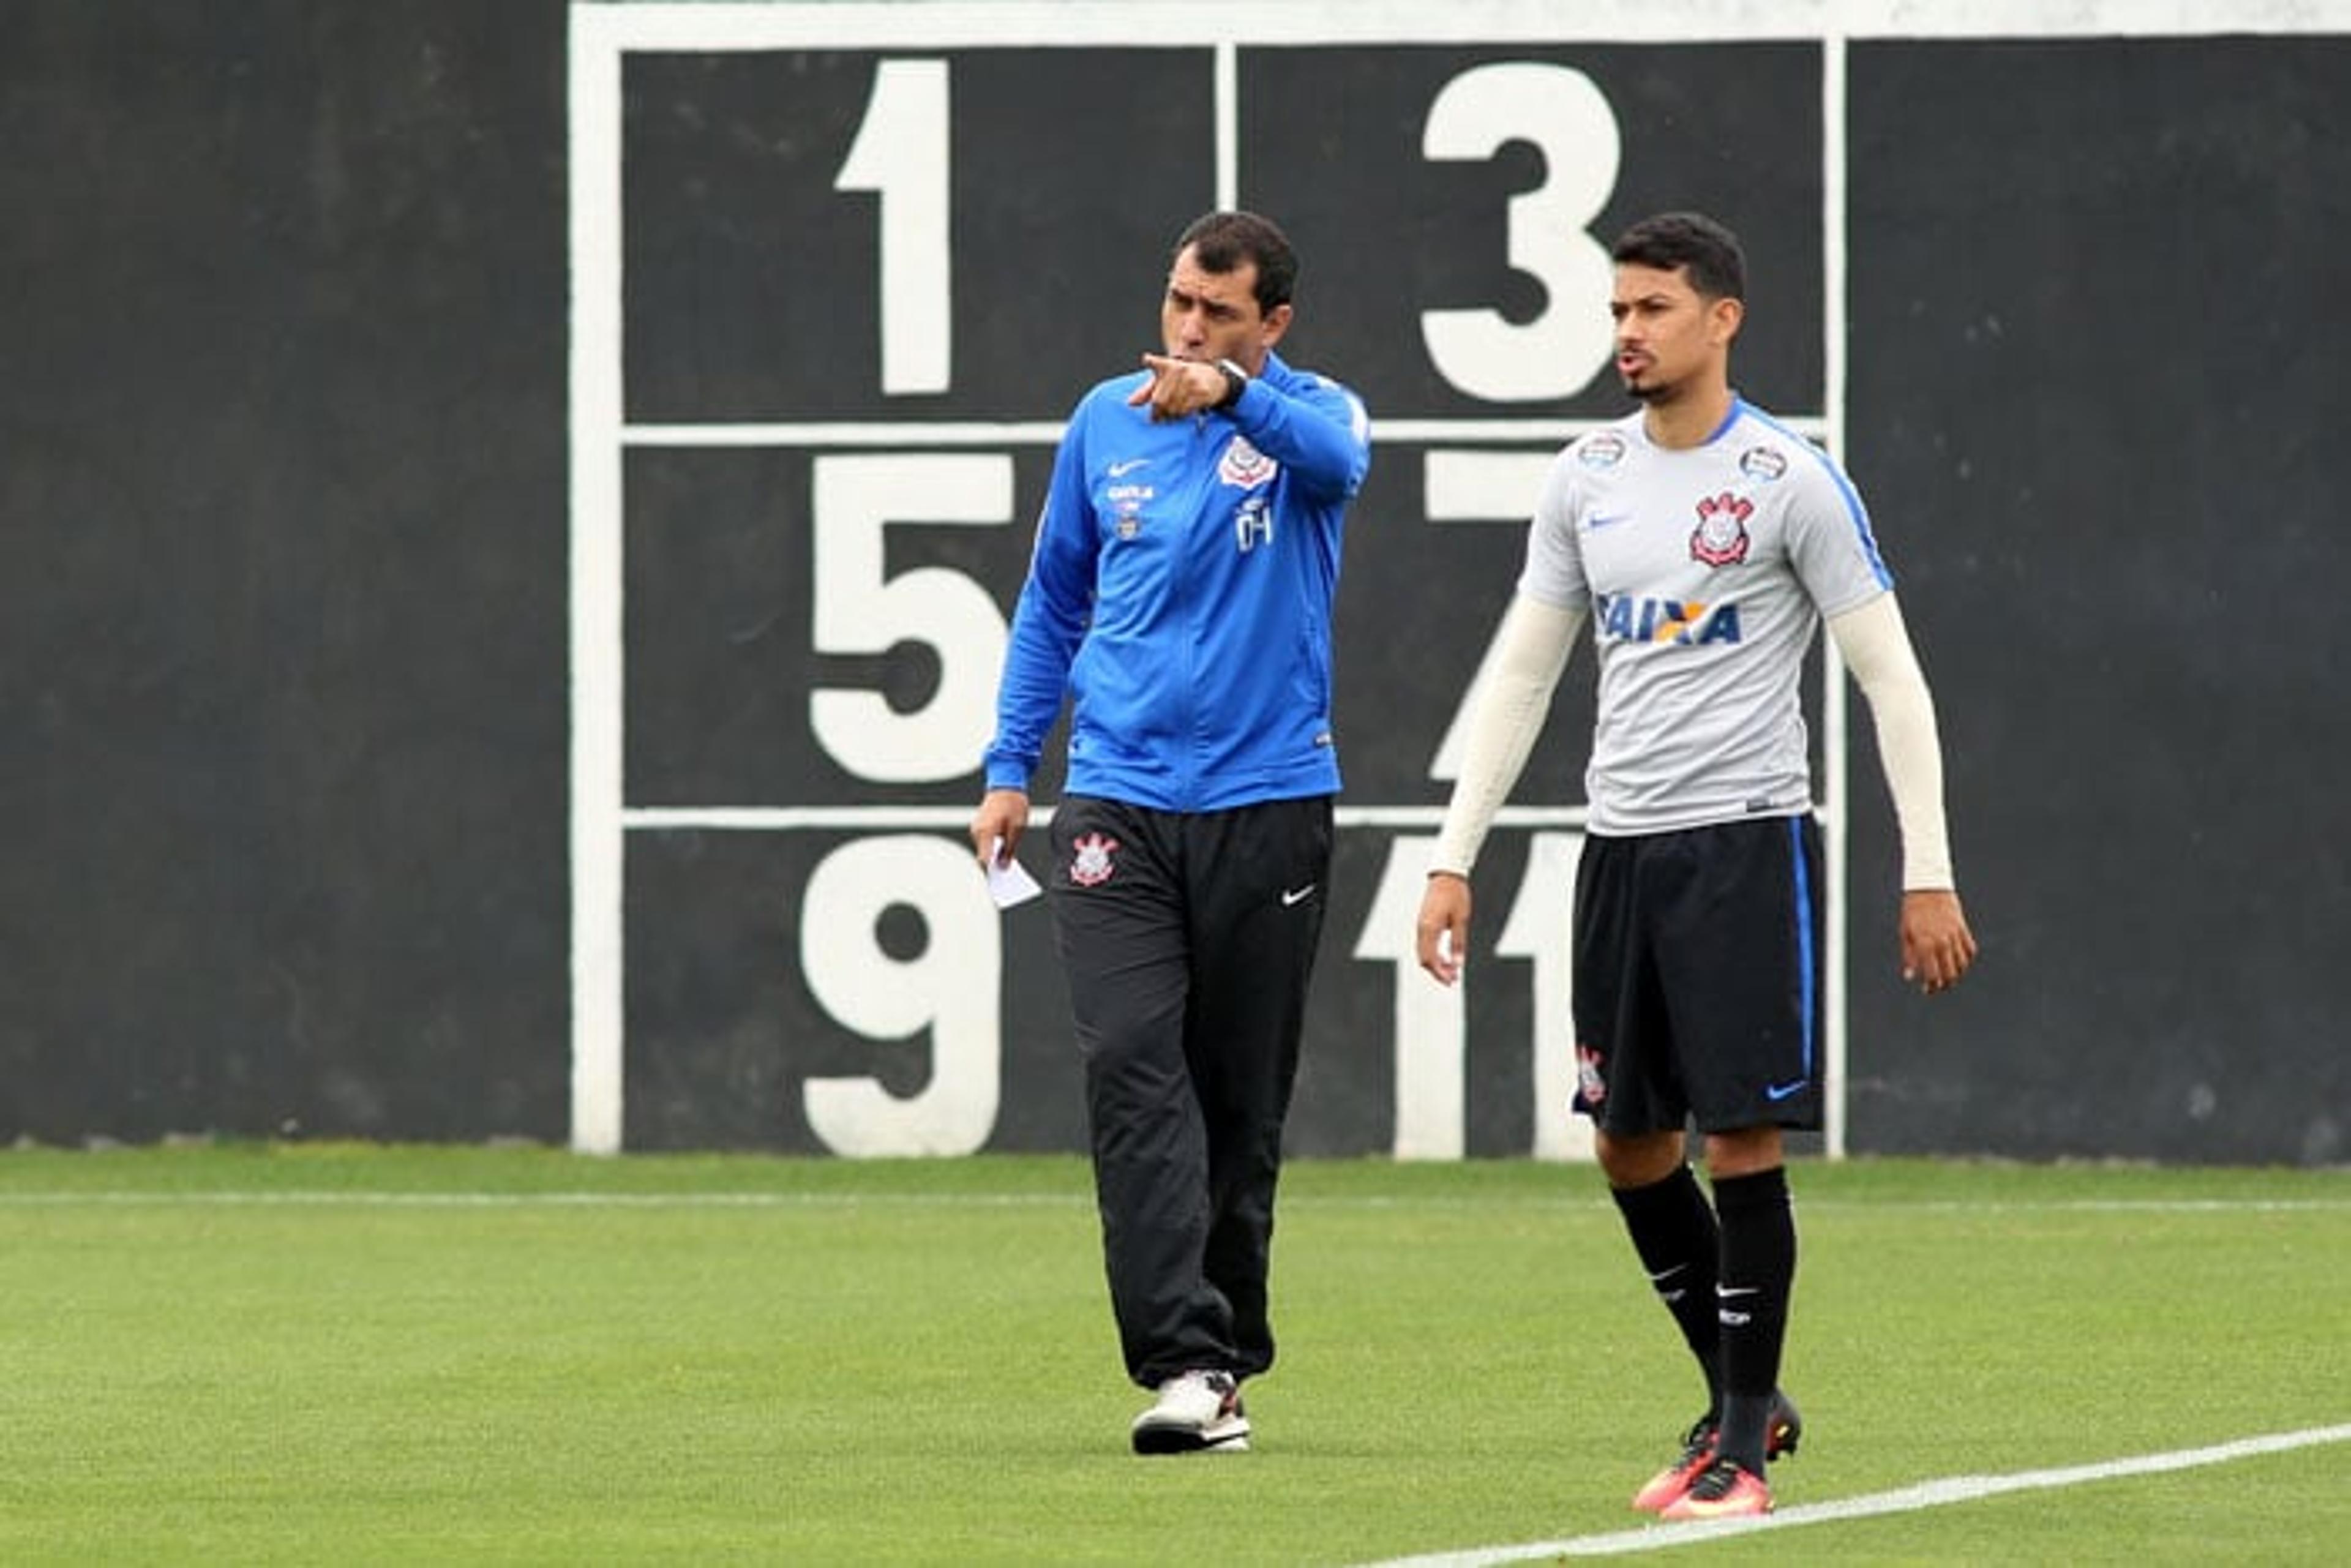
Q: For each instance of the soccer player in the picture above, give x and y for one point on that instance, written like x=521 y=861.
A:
x=1704 y=542
x=1180 y=595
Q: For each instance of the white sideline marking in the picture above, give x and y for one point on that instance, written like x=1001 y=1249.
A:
x=1582 y=1206
x=1902 y=1500
x=316 y=1198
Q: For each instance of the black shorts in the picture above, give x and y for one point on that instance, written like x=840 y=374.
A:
x=1698 y=976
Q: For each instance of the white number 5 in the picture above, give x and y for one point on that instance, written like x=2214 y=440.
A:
x=860 y=609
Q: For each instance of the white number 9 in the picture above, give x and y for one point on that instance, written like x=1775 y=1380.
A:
x=949 y=989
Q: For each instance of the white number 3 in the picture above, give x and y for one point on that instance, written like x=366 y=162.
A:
x=1482 y=352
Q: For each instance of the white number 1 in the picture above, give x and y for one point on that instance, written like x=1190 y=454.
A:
x=901 y=156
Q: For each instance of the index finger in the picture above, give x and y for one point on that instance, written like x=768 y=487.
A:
x=1157 y=365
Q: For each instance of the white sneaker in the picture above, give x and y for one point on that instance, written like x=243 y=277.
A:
x=1196 y=1412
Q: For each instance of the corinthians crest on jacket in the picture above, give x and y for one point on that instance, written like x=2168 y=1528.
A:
x=1244 y=468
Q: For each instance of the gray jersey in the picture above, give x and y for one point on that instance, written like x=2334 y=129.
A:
x=1704 y=572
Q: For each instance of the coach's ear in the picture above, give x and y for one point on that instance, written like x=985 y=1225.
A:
x=1277 y=322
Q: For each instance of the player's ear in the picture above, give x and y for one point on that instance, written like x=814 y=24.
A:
x=1724 y=317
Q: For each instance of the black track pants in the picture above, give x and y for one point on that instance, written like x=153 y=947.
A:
x=1189 y=941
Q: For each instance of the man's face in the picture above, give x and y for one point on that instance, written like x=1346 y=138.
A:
x=1214 y=314
x=1666 y=332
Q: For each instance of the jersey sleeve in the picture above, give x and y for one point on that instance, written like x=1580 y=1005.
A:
x=1830 y=543
x=1553 y=573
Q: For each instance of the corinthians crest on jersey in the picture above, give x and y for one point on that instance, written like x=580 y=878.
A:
x=1720 y=538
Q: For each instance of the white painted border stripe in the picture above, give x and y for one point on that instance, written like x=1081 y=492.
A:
x=954 y=818
x=729 y=25
x=1549 y=433
x=1835 y=729
x=1902 y=1500
x=598 y=625
x=1228 y=73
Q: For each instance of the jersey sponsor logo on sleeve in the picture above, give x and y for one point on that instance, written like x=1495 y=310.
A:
x=1720 y=538
x=1600 y=449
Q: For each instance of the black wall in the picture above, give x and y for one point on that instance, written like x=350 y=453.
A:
x=2098 y=343
x=283 y=532
x=282 y=522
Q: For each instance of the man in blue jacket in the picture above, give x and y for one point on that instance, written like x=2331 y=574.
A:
x=1179 y=597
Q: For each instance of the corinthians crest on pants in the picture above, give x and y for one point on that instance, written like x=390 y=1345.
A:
x=1090 y=865
x=1589 y=1079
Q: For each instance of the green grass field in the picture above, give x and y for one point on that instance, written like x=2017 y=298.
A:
x=312 y=1355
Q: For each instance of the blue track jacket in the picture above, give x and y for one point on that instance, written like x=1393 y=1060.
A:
x=1180 y=595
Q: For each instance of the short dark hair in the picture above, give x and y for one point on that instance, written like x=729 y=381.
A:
x=1718 y=267
x=1225 y=242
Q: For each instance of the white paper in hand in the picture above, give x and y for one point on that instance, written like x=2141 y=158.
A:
x=1008 y=881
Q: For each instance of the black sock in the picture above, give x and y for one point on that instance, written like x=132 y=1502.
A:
x=1758 y=1270
x=1673 y=1230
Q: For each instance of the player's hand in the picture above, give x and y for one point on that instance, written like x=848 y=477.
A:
x=1937 y=945
x=1177 y=387
x=997 y=826
x=1443 y=932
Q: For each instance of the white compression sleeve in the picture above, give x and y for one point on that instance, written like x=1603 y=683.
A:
x=1875 y=646
x=1513 y=697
